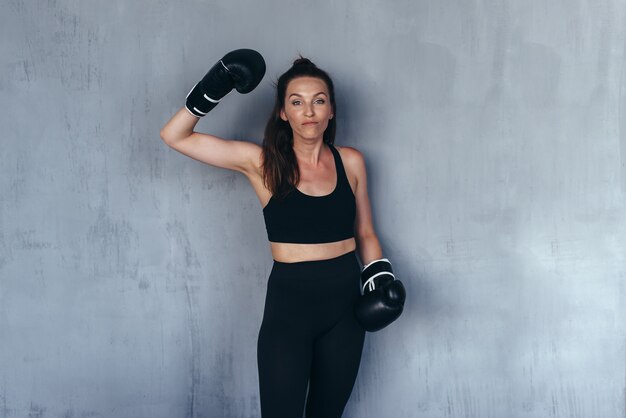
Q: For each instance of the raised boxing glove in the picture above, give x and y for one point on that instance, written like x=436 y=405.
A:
x=383 y=296
x=242 y=69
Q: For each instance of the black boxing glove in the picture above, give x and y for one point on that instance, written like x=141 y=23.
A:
x=383 y=296
x=242 y=69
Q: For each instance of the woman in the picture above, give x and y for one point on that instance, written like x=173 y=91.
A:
x=317 y=214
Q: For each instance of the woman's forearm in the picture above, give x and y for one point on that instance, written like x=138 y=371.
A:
x=368 y=248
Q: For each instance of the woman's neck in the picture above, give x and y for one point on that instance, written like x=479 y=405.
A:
x=308 y=151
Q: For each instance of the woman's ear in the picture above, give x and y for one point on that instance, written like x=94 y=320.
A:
x=283 y=116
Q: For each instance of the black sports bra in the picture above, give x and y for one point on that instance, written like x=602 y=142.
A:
x=303 y=219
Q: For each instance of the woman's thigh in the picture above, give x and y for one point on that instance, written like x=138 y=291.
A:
x=284 y=362
x=335 y=365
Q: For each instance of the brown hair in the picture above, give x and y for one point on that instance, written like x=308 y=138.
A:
x=280 y=166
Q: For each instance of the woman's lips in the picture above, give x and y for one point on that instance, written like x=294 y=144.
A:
x=309 y=123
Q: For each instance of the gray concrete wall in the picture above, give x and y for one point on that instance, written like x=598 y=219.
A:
x=132 y=279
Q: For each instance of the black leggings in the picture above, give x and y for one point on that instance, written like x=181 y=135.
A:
x=309 y=332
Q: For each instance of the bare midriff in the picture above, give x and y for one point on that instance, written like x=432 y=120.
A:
x=293 y=253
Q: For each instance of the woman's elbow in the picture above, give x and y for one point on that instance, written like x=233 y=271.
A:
x=167 y=137
x=163 y=136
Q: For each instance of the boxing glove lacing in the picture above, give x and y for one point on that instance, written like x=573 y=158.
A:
x=370 y=282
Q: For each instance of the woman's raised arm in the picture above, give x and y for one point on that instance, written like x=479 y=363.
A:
x=242 y=70
x=178 y=133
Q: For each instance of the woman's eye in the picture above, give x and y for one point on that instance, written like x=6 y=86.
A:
x=320 y=101
x=295 y=102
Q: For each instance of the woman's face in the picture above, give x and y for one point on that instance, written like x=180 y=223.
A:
x=307 y=107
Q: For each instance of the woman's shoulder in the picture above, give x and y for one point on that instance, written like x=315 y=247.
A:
x=350 y=156
x=354 y=164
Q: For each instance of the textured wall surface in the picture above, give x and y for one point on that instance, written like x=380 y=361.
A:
x=132 y=278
